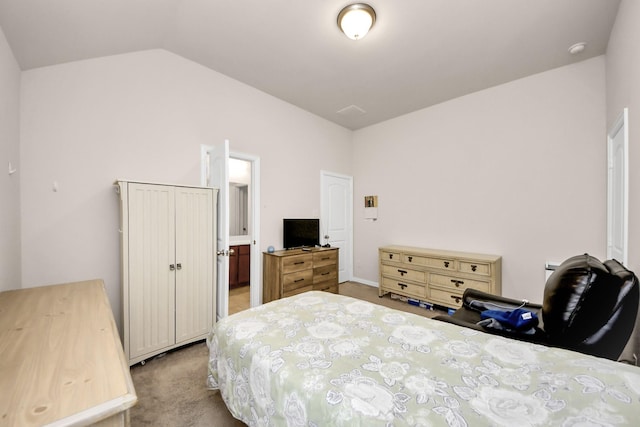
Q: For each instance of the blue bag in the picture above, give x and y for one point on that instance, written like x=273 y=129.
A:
x=518 y=319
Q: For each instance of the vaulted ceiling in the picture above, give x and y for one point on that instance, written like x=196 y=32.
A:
x=419 y=52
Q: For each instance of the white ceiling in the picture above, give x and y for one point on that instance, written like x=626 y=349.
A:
x=419 y=53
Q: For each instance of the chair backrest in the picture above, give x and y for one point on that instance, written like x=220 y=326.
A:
x=590 y=306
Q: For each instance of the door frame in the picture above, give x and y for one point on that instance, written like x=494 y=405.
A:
x=349 y=203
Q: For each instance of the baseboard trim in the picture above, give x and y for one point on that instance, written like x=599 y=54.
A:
x=364 y=281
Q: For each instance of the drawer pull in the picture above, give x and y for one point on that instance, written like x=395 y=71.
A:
x=410 y=258
x=324 y=274
x=446 y=264
x=298 y=280
x=474 y=267
x=457 y=299
x=326 y=258
x=402 y=272
x=390 y=256
x=457 y=283
x=402 y=285
x=299 y=262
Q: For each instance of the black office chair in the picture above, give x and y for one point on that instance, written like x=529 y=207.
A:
x=588 y=306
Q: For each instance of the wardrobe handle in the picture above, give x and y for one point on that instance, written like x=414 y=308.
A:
x=172 y=267
x=179 y=266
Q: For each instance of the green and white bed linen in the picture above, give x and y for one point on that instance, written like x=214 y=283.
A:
x=320 y=359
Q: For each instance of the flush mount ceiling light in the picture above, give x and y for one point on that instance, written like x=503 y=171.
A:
x=577 y=48
x=356 y=20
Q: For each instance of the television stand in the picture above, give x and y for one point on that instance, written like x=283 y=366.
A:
x=293 y=271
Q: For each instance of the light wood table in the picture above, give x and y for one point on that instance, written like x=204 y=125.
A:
x=61 y=359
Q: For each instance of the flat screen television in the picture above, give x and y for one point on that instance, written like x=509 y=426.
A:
x=298 y=233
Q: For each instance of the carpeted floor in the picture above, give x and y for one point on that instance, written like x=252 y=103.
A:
x=171 y=388
x=171 y=392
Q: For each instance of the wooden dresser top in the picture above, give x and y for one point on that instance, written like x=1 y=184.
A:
x=61 y=359
x=291 y=252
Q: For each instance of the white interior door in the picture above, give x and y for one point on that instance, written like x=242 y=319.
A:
x=618 y=190
x=336 y=222
x=219 y=178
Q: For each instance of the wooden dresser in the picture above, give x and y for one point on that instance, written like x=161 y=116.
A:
x=61 y=359
x=290 y=272
x=437 y=276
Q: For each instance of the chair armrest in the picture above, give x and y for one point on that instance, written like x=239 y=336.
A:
x=538 y=337
x=457 y=321
x=472 y=296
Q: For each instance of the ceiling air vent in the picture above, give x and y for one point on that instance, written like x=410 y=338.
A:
x=351 y=111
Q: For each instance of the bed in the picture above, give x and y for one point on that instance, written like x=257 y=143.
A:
x=320 y=359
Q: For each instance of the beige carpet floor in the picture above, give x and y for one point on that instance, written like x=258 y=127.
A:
x=171 y=388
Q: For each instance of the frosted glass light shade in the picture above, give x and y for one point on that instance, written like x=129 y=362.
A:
x=356 y=20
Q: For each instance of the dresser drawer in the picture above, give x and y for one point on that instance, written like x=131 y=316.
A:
x=404 y=273
x=479 y=268
x=458 y=283
x=432 y=262
x=448 y=298
x=390 y=256
x=297 y=263
x=330 y=286
x=296 y=280
x=321 y=274
x=404 y=288
x=320 y=259
x=297 y=291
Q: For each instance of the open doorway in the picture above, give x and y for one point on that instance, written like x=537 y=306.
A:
x=216 y=165
x=240 y=188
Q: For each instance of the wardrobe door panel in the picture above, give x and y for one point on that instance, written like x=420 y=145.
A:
x=194 y=258
x=151 y=289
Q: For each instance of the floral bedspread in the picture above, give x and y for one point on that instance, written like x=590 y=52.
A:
x=320 y=359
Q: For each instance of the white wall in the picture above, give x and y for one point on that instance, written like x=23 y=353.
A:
x=623 y=90
x=517 y=170
x=9 y=184
x=144 y=116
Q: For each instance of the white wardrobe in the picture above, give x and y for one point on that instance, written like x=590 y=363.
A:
x=168 y=266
